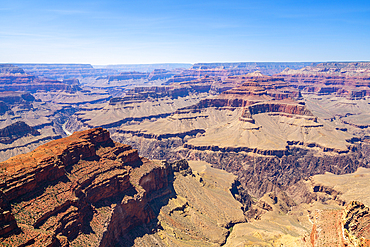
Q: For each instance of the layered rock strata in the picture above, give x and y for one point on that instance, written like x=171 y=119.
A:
x=141 y=103
x=224 y=70
x=67 y=187
x=27 y=122
x=13 y=78
x=66 y=71
x=156 y=74
x=88 y=190
x=323 y=210
x=260 y=131
x=350 y=80
x=15 y=131
x=254 y=116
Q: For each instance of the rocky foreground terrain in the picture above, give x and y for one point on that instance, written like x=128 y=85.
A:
x=87 y=190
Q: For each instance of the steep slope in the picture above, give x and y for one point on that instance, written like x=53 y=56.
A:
x=86 y=190
x=334 y=213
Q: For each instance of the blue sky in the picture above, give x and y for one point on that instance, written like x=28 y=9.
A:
x=160 y=31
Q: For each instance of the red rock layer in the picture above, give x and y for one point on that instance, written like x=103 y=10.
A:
x=84 y=189
x=261 y=95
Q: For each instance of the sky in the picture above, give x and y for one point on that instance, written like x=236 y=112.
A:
x=168 y=31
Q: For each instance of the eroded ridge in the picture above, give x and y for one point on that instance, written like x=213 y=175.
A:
x=81 y=190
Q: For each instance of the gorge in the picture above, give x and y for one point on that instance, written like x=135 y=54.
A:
x=217 y=154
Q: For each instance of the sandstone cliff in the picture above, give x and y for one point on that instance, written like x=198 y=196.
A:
x=88 y=190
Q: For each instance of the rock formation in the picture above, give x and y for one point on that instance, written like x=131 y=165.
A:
x=41 y=104
x=72 y=184
x=261 y=131
x=138 y=104
x=88 y=190
x=26 y=122
x=349 y=80
x=156 y=74
x=276 y=134
x=15 y=131
x=333 y=213
x=65 y=71
x=224 y=70
x=10 y=81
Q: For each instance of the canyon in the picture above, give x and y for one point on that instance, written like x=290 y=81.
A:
x=235 y=154
x=86 y=189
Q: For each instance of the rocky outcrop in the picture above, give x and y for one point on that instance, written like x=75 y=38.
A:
x=7 y=220
x=88 y=190
x=293 y=109
x=64 y=179
x=273 y=91
x=356 y=224
x=15 y=131
x=46 y=166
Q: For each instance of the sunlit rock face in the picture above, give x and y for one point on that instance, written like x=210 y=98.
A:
x=89 y=190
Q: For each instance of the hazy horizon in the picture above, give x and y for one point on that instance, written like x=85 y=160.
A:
x=152 y=32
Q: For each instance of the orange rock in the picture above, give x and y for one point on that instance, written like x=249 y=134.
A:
x=82 y=189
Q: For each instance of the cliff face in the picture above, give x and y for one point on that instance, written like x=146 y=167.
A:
x=15 y=131
x=260 y=130
x=356 y=223
x=88 y=190
x=70 y=182
x=13 y=78
x=349 y=80
x=333 y=213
